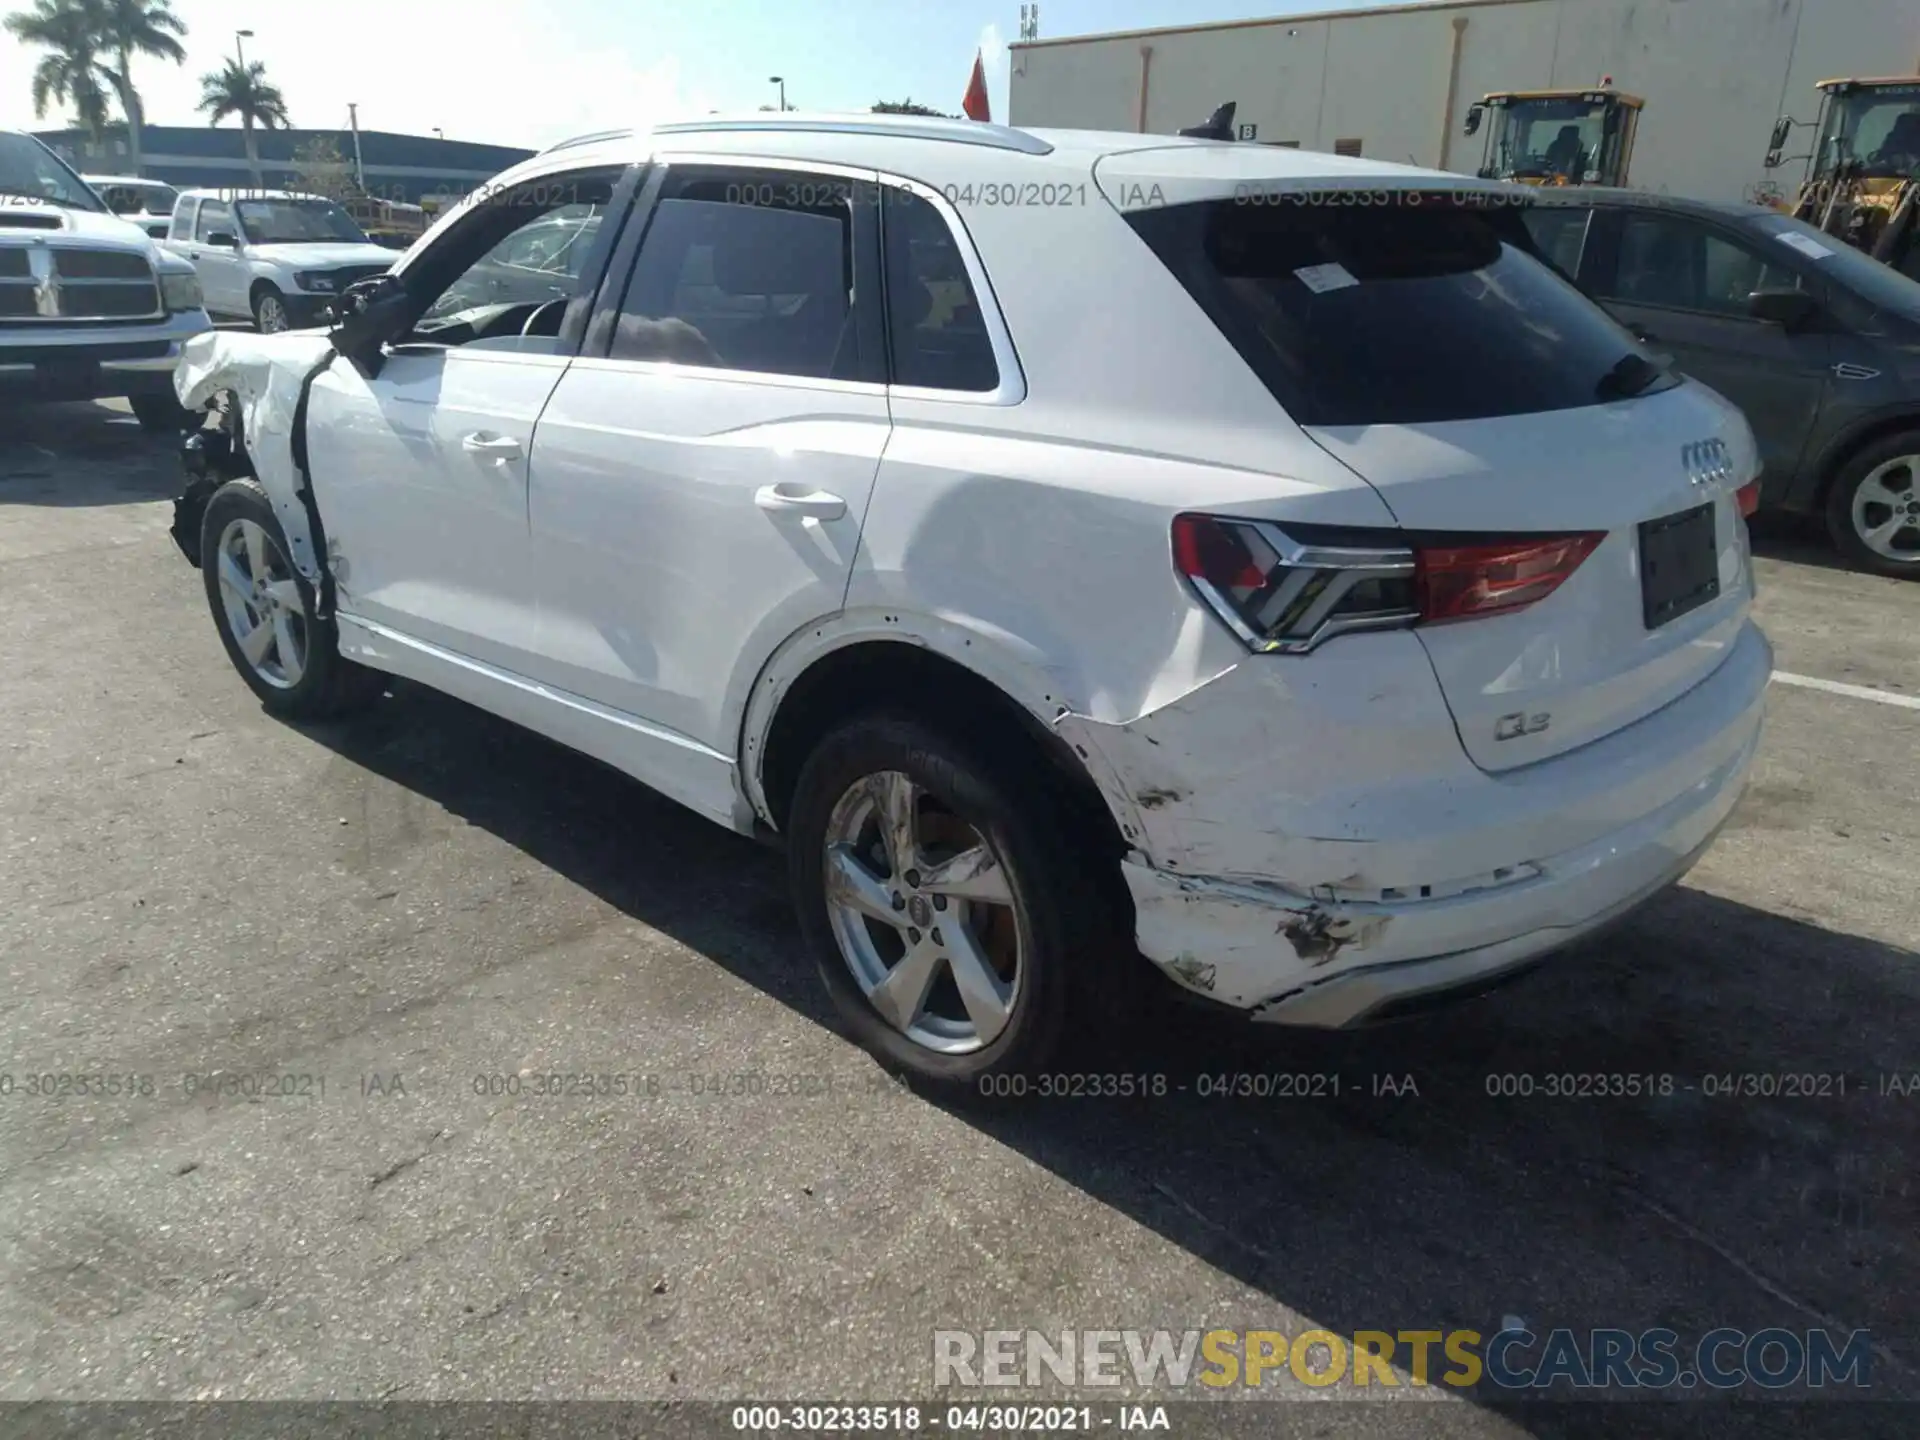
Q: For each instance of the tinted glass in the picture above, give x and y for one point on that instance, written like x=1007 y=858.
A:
x=1672 y=261
x=214 y=215
x=1358 y=315
x=740 y=275
x=939 y=336
x=1561 y=234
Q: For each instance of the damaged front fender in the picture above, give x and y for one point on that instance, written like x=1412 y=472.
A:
x=264 y=379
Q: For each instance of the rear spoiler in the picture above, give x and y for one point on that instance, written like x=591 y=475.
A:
x=1219 y=125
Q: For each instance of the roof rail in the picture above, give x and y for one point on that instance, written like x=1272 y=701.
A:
x=959 y=132
x=592 y=139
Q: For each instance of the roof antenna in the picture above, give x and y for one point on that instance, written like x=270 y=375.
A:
x=1219 y=125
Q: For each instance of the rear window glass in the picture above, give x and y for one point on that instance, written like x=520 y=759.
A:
x=1415 y=313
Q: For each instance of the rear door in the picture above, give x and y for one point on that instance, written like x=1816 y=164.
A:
x=1683 y=284
x=702 y=472
x=1496 y=410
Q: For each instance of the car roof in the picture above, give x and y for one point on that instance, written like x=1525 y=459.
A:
x=942 y=151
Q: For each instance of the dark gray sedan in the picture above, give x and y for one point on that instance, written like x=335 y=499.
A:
x=1817 y=343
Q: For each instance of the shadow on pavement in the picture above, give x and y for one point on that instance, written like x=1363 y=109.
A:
x=1420 y=1176
x=83 y=455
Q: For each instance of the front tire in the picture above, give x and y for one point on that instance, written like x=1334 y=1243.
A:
x=270 y=315
x=1873 y=507
x=950 y=904
x=264 y=611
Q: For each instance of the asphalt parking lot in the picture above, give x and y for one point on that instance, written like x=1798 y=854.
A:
x=400 y=907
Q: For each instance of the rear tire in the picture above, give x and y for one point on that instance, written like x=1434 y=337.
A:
x=1873 y=507
x=264 y=609
x=1049 y=938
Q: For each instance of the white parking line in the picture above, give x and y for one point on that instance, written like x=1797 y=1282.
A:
x=1856 y=692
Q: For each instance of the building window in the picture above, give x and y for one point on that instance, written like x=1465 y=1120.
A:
x=1282 y=144
x=1346 y=147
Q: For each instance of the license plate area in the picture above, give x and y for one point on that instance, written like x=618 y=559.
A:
x=1679 y=565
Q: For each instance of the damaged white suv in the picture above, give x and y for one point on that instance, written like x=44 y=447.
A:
x=1074 y=546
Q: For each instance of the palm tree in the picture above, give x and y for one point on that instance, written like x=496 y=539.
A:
x=244 y=92
x=137 y=27
x=71 y=72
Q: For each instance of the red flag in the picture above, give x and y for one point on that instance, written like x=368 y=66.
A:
x=976 y=102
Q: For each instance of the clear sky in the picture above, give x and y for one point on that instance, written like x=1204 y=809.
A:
x=526 y=72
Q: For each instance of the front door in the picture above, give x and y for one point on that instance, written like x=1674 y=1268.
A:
x=700 y=484
x=1683 y=284
x=223 y=271
x=423 y=468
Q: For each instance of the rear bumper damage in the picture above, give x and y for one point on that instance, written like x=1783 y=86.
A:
x=1320 y=884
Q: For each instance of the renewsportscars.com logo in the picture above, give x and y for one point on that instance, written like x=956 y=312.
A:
x=1513 y=1358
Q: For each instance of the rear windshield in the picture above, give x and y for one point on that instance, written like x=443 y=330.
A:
x=1364 y=314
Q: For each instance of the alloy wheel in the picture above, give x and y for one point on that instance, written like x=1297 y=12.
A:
x=271 y=316
x=265 y=611
x=924 y=914
x=1886 y=510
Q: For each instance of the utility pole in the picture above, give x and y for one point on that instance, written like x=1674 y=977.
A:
x=359 y=169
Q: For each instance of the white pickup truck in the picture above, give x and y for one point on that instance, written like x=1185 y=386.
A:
x=278 y=258
x=90 y=306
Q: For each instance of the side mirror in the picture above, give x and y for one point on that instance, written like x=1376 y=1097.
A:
x=1782 y=128
x=1474 y=117
x=372 y=313
x=1789 y=309
x=223 y=240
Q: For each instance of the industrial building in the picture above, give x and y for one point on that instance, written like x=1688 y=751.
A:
x=1395 y=82
x=396 y=167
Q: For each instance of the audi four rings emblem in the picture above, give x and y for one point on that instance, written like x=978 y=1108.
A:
x=1707 y=462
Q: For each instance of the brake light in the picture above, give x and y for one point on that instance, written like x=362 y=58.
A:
x=1747 y=497
x=1467 y=581
x=1283 y=592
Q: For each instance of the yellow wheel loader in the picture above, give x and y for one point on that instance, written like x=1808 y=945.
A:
x=1862 y=181
x=1557 y=137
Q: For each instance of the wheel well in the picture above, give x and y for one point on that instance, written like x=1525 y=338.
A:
x=1837 y=459
x=253 y=295
x=898 y=678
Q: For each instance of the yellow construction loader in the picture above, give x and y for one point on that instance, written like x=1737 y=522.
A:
x=1862 y=182
x=1557 y=137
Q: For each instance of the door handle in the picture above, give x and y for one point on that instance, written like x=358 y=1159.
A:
x=796 y=500
x=494 y=447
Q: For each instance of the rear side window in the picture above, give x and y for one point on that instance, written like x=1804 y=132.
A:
x=939 y=336
x=1356 y=314
x=743 y=272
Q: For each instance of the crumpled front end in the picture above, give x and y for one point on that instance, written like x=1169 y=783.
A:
x=262 y=378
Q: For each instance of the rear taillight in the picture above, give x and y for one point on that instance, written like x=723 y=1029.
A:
x=1461 y=582
x=1281 y=591
x=1747 y=497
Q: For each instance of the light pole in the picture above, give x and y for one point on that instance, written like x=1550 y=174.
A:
x=781 y=82
x=240 y=38
x=439 y=132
